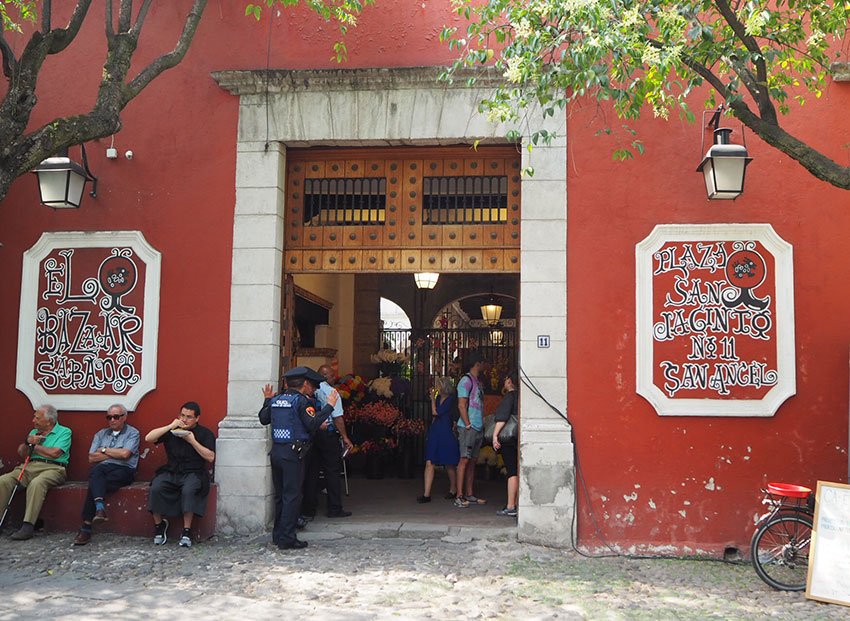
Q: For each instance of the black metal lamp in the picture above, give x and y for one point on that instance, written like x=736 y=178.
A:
x=61 y=181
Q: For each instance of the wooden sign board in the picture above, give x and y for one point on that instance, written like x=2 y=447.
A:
x=829 y=559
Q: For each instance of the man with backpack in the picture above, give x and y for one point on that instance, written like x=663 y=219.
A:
x=470 y=429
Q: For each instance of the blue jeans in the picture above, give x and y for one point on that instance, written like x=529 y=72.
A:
x=103 y=479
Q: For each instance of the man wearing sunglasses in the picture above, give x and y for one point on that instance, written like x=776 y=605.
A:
x=114 y=455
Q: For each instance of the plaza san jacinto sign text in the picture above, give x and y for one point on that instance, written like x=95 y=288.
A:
x=89 y=319
x=712 y=326
x=712 y=308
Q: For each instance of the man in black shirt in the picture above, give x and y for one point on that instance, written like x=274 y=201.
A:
x=181 y=486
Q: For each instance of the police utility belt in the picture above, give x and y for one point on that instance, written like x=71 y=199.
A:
x=299 y=447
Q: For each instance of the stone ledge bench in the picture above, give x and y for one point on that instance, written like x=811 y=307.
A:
x=126 y=508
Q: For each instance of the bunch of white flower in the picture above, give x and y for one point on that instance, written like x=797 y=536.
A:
x=514 y=71
x=388 y=355
x=651 y=55
x=522 y=30
x=381 y=387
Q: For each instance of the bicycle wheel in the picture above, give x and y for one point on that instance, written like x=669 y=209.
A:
x=780 y=551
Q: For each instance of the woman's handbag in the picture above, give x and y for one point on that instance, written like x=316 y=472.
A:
x=508 y=433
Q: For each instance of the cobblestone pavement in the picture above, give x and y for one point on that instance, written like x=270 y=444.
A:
x=343 y=577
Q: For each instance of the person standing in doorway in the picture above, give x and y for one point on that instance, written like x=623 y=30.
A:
x=441 y=447
x=470 y=429
x=509 y=449
x=326 y=454
x=293 y=417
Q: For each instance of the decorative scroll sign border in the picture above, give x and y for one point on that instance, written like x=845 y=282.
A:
x=47 y=243
x=782 y=252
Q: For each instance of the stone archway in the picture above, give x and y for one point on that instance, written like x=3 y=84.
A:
x=384 y=107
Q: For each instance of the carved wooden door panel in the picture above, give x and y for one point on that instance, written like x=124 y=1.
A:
x=287 y=327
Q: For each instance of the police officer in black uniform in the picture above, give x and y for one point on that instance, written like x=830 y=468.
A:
x=294 y=419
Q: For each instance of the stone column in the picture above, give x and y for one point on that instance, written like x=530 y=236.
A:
x=242 y=466
x=547 y=481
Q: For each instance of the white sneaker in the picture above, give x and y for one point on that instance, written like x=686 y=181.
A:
x=160 y=538
x=185 y=541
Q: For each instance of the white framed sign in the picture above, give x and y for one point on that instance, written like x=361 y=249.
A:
x=715 y=320
x=89 y=320
x=829 y=553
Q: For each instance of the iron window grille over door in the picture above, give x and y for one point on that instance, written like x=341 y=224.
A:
x=345 y=202
x=465 y=200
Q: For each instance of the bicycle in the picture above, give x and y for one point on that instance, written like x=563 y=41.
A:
x=780 y=544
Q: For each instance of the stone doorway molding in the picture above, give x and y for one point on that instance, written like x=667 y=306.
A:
x=385 y=107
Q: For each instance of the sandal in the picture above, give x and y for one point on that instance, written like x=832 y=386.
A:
x=460 y=503
x=450 y=496
x=423 y=499
x=474 y=500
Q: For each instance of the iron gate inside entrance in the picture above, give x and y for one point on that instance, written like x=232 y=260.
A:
x=440 y=352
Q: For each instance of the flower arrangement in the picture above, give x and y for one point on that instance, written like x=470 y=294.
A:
x=377 y=413
x=377 y=446
x=409 y=427
x=352 y=388
x=388 y=356
x=382 y=386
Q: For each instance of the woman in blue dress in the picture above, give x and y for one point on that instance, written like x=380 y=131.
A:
x=441 y=447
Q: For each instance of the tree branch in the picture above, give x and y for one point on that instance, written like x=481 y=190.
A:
x=60 y=134
x=812 y=160
x=125 y=13
x=62 y=38
x=750 y=81
x=737 y=27
x=167 y=61
x=758 y=89
x=110 y=29
x=140 y=18
x=10 y=63
x=46 y=14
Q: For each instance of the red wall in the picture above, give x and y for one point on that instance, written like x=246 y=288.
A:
x=628 y=454
x=179 y=188
x=179 y=191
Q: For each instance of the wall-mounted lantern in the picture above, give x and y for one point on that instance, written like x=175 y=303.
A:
x=61 y=181
x=426 y=280
x=724 y=164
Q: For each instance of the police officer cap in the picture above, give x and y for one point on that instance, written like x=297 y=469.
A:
x=305 y=372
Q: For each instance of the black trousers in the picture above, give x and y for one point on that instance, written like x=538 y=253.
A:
x=326 y=455
x=287 y=478
x=105 y=479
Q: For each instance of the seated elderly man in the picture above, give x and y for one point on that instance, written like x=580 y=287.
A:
x=182 y=485
x=114 y=455
x=49 y=445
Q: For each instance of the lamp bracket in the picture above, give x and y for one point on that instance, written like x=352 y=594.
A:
x=88 y=171
x=714 y=123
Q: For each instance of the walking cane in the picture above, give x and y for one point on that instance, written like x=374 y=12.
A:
x=17 y=485
x=344 y=467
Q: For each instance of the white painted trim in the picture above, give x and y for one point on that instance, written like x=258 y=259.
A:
x=782 y=252
x=25 y=382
